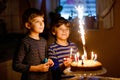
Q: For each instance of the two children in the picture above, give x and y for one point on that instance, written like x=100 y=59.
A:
x=30 y=54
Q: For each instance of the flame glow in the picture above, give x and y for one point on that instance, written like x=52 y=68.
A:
x=95 y=57
x=80 y=11
x=92 y=55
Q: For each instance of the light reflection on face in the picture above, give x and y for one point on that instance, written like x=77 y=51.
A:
x=62 y=32
x=37 y=24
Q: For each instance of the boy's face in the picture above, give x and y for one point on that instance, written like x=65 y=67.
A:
x=62 y=32
x=36 y=25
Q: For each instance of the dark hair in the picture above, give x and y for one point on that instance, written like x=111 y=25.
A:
x=31 y=13
x=58 y=22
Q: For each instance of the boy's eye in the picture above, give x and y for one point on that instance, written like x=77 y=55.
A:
x=64 y=29
x=39 y=21
x=36 y=21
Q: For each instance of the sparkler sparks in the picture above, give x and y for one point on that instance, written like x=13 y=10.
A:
x=80 y=10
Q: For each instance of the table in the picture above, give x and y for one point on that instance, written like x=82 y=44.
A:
x=84 y=75
x=67 y=71
x=94 y=78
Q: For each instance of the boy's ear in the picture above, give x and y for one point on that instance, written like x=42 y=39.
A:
x=27 y=25
x=53 y=33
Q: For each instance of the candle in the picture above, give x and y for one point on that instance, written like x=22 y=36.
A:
x=82 y=60
x=92 y=55
x=82 y=57
x=75 y=57
x=85 y=53
x=95 y=58
x=71 y=53
x=78 y=55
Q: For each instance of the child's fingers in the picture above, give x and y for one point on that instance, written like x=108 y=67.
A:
x=47 y=64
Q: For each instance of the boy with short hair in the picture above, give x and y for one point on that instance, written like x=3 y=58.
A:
x=60 y=50
x=30 y=55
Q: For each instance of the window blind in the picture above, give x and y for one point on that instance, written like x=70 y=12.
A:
x=70 y=11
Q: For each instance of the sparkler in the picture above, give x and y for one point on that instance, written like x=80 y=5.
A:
x=80 y=10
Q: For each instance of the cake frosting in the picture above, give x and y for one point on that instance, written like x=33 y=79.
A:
x=86 y=65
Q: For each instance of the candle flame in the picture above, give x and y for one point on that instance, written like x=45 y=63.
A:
x=92 y=55
x=78 y=54
x=95 y=57
x=82 y=57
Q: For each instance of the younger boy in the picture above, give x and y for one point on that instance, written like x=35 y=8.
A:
x=61 y=48
x=29 y=58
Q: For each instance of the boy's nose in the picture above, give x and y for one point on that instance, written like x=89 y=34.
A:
x=41 y=23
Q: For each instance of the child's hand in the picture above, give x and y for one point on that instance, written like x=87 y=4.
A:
x=50 y=62
x=67 y=62
x=43 y=67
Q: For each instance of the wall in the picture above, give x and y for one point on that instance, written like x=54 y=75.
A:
x=11 y=16
x=106 y=42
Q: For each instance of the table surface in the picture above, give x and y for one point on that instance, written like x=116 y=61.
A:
x=67 y=71
x=93 y=78
x=87 y=75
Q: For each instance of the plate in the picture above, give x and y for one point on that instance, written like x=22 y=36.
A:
x=94 y=78
x=68 y=71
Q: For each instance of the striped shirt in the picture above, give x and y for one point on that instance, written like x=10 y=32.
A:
x=58 y=52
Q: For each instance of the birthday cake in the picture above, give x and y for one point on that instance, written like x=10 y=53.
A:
x=86 y=65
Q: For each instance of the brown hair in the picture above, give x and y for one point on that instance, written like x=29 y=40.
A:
x=31 y=13
x=58 y=22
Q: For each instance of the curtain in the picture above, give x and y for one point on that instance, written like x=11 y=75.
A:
x=51 y=5
x=35 y=3
x=105 y=13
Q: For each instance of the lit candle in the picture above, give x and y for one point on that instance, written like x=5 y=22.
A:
x=78 y=55
x=71 y=53
x=75 y=57
x=95 y=58
x=92 y=55
x=82 y=57
x=82 y=60
x=85 y=53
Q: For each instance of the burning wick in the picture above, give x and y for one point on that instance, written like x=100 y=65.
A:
x=82 y=60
